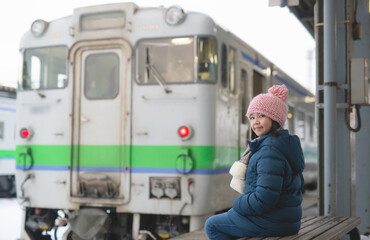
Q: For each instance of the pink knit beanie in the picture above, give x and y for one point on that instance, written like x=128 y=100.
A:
x=271 y=104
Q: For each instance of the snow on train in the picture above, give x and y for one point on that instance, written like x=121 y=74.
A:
x=7 y=141
x=129 y=119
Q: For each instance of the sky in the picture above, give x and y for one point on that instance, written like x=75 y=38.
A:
x=273 y=31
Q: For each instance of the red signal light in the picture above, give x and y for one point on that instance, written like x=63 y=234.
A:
x=25 y=133
x=184 y=131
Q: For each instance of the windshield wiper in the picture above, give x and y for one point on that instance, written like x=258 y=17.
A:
x=157 y=76
x=39 y=93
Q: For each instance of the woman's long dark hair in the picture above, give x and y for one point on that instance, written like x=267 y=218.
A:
x=274 y=130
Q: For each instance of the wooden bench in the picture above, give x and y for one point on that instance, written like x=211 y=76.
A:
x=320 y=228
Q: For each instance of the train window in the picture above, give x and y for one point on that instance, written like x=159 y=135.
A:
x=101 y=76
x=45 y=68
x=169 y=60
x=103 y=20
x=290 y=117
x=301 y=131
x=224 y=65
x=207 y=59
x=243 y=91
x=257 y=83
x=231 y=69
x=1 y=130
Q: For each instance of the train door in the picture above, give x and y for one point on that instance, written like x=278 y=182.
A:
x=244 y=123
x=101 y=124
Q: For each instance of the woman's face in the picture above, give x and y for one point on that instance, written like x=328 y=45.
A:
x=260 y=124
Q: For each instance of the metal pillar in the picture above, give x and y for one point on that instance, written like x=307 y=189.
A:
x=330 y=113
x=361 y=49
x=319 y=112
x=342 y=27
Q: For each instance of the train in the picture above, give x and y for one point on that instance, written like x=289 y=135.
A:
x=7 y=141
x=129 y=118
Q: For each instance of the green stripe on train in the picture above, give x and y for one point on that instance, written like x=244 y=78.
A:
x=7 y=153
x=116 y=156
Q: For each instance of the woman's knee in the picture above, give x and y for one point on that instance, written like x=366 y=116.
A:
x=214 y=222
x=209 y=223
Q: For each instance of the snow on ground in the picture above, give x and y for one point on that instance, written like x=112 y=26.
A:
x=10 y=219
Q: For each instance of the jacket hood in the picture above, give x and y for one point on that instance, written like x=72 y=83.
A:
x=289 y=145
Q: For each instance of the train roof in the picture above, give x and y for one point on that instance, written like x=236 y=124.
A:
x=281 y=75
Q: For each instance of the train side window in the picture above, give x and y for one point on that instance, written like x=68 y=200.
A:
x=207 y=59
x=1 y=130
x=257 y=83
x=223 y=66
x=243 y=93
x=231 y=69
x=301 y=130
x=291 y=120
x=45 y=68
x=101 y=76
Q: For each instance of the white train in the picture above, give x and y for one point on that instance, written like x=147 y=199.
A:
x=7 y=141
x=129 y=119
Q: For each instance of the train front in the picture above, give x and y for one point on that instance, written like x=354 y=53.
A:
x=116 y=129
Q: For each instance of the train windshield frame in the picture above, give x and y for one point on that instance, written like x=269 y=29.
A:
x=45 y=68
x=176 y=60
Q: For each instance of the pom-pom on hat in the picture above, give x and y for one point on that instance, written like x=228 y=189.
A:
x=271 y=104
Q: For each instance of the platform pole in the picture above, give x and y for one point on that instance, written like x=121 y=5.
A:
x=330 y=113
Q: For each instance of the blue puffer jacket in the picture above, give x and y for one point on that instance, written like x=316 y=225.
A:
x=272 y=201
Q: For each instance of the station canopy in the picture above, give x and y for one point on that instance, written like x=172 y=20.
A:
x=305 y=14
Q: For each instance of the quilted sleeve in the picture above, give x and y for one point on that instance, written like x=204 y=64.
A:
x=270 y=176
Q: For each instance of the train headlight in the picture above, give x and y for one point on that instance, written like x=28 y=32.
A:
x=185 y=132
x=175 y=15
x=157 y=190
x=39 y=27
x=26 y=133
x=171 y=190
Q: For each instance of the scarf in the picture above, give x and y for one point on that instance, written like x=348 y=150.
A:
x=238 y=171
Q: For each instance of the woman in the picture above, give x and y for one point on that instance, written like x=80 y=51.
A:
x=271 y=202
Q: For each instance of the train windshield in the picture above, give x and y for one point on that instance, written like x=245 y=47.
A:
x=45 y=68
x=176 y=60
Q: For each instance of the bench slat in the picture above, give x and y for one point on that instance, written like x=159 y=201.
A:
x=306 y=222
x=340 y=229
x=324 y=227
x=305 y=219
x=313 y=223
